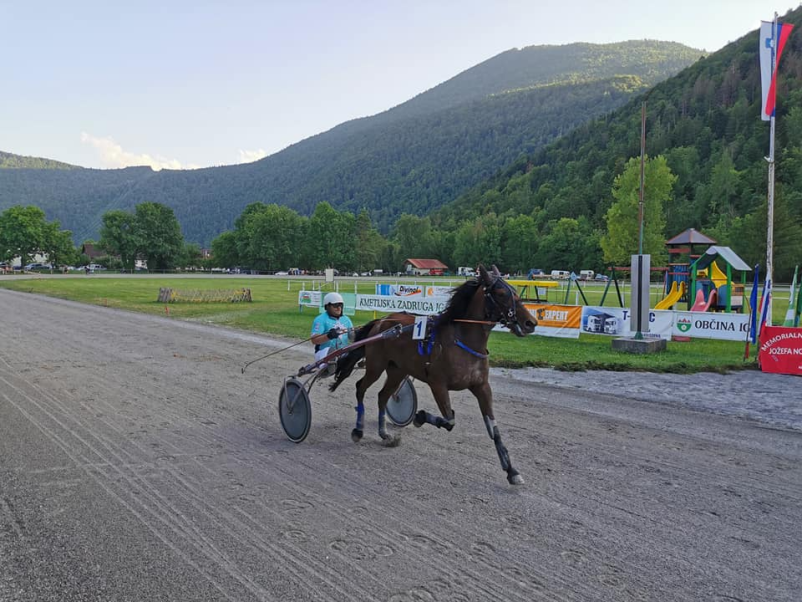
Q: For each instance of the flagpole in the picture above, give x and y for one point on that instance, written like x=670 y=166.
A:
x=770 y=212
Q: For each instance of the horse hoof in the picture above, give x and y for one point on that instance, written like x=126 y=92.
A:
x=391 y=441
x=515 y=479
x=420 y=418
x=356 y=435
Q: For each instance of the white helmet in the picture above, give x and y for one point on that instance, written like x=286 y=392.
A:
x=332 y=298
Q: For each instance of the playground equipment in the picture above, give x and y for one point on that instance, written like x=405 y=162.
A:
x=702 y=304
x=674 y=295
x=729 y=296
x=534 y=291
x=614 y=280
x=683 y=249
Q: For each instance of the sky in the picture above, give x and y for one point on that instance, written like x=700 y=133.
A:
x=186 y=84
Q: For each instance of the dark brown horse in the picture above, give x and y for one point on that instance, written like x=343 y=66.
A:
x=452 y=358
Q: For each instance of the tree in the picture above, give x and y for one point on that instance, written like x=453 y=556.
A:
x=273 y=235
x=58 y=245
x=519 y=244
x=158 y=235
x=479 y=241
x=369 y=242
x=329 y=239
x=621 y=240
x=414 y=236
x=22 y=233
x=119 y=235
x=571 y=245
x=224 y=250
x=191 y=256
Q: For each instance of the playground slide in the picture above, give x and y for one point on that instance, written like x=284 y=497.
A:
x=674 y=295
x=718 y=277
x=700 y=304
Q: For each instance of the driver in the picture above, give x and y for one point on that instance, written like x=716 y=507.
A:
x=331 y=329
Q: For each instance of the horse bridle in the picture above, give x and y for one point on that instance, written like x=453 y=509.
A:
x=491 y=305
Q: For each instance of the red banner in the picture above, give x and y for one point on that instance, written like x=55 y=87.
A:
x=781 y=350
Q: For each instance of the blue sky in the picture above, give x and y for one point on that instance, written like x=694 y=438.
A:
x=193 y=84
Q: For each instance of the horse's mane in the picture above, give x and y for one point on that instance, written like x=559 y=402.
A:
x=460 y=300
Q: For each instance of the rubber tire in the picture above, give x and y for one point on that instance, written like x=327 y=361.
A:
x=296 y=423
x=406 y=388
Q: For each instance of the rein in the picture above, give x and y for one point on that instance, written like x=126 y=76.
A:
x=490 y=322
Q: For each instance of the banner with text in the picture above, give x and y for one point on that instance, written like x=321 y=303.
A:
x=614 y=321
x=561 y=321
x=705 y=325
x=781 y=350
x=400 y=290
x=309 y=299
x=439 y=291
x=416 y=304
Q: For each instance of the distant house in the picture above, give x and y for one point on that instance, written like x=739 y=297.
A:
x=91 y=251
x=425 y=267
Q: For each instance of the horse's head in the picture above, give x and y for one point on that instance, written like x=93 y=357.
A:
x=502 y=303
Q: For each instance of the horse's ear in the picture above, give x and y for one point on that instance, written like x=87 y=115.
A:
x=485 y=276
x=496 y=273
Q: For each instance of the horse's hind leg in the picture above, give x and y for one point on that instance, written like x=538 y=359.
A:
x=394 y=379
x=485 y=397
x=362 y=385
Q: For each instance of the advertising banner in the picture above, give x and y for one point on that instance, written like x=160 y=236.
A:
x=400 y=290
x=781 y=350
x=439 y=291
x=414 y=304
x=309 y=299
x=560 y=321
x=706 y=325
x=615 y=321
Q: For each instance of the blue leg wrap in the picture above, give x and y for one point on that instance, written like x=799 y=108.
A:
x=360 y=416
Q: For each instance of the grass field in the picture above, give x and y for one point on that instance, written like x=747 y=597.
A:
x=274 y=311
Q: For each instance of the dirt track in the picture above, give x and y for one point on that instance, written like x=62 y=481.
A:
x=138 y=463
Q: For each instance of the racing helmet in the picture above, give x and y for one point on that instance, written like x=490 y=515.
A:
x=332 y=298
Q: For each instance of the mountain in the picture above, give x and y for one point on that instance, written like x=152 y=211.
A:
x=413 y=158
x=9 y=161
x=706 y=122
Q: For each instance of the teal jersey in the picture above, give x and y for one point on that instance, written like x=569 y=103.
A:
x=324 y=322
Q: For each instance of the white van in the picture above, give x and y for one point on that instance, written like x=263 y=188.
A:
x=560 y=274
x=466 y=272
x=586 y=274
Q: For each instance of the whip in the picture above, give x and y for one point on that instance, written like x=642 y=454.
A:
x=274 y=353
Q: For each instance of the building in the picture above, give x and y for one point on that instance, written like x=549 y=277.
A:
x=425 y=267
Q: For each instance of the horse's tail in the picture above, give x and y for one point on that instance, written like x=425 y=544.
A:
x=347 y=363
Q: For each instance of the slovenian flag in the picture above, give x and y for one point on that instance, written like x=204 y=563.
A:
x=770 y=53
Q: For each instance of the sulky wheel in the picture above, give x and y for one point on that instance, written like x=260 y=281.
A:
x=403 y=404
x=295 y=410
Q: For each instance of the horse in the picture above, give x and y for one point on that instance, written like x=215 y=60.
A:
x=452 y=358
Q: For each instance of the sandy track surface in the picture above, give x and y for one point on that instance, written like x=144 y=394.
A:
x=138 y=463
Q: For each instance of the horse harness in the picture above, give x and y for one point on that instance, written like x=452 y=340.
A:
x=426 y=345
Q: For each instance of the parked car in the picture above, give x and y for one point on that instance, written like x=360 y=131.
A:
x=282 y=273
x=601 y=278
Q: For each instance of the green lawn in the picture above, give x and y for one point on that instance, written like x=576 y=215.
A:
x=274 y=310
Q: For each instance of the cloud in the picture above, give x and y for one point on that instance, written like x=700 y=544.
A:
x=249 y=156
x=112 y=155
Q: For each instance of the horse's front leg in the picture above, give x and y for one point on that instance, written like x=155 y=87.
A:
x=446 y=421
x=362 y=385
x=485 y=396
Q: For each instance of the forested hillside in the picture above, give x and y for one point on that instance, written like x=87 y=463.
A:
x=9 y=161
x=706 y=123
x=411 y=159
